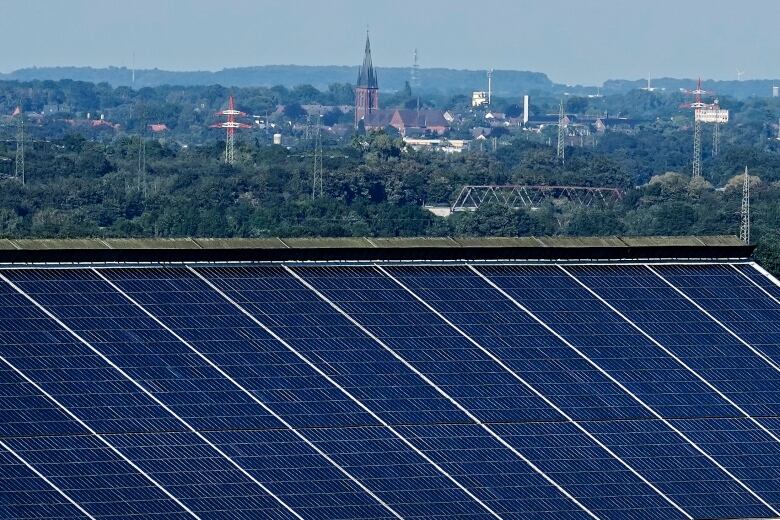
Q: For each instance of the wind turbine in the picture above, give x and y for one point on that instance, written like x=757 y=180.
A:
x=740 y=73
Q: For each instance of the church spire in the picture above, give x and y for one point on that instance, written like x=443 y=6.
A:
x=367 y=76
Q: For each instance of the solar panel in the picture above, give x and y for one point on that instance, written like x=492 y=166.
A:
x=443 y=390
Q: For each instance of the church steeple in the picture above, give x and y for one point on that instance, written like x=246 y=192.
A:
x=367 y=88
x=367 y=76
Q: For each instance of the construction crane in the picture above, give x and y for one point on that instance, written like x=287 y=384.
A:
x=230 y=125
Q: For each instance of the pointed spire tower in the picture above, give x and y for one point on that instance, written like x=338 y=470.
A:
x=367 y=88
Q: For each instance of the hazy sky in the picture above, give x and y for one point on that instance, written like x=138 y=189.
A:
x=585 y=41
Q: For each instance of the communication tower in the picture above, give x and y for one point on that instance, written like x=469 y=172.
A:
x=230 y=126
x=702 y=113
x=744 y=228
x=415 y=75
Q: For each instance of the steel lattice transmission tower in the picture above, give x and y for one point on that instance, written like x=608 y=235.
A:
x=19 y=162
x=230 y=126
x=562 y=135
x=141 y=161
x=316 y=184
x=744 y=228
x=696 y=148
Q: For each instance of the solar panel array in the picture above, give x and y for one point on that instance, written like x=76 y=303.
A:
x=379 y=391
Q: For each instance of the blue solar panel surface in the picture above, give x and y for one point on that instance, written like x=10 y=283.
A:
x=381 y=391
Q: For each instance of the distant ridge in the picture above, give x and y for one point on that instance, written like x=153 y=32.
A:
x=506 y=83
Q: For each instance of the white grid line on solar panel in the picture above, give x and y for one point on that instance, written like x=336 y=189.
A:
x=753 y=349
x=346 y=392
x=444 y=394
x=148 y=393
x=701 y=378
x=248 y=393
x=45 y=479
x=534 y=390
x=640 y=401
x=748 y=278
x=98 y=436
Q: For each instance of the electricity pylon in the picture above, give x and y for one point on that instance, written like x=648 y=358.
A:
x=744 y=228
x=19 y=163
x=316 y=184
x=561 y=136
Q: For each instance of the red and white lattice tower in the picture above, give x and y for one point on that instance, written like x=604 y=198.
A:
x=230 y=125
x=698 y=105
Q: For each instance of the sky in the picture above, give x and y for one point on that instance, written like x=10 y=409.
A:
x=575 y=42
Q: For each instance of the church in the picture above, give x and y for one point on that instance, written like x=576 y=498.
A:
x=406 y=121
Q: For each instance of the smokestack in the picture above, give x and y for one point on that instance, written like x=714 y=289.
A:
x=525 y=109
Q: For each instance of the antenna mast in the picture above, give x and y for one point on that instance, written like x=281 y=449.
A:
x=415 y=79
x=744 y=228
x=561 y=135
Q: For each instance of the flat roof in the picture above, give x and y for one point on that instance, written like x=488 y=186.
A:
x=368 y=248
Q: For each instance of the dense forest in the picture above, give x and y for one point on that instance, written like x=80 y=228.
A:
x=87 y=182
